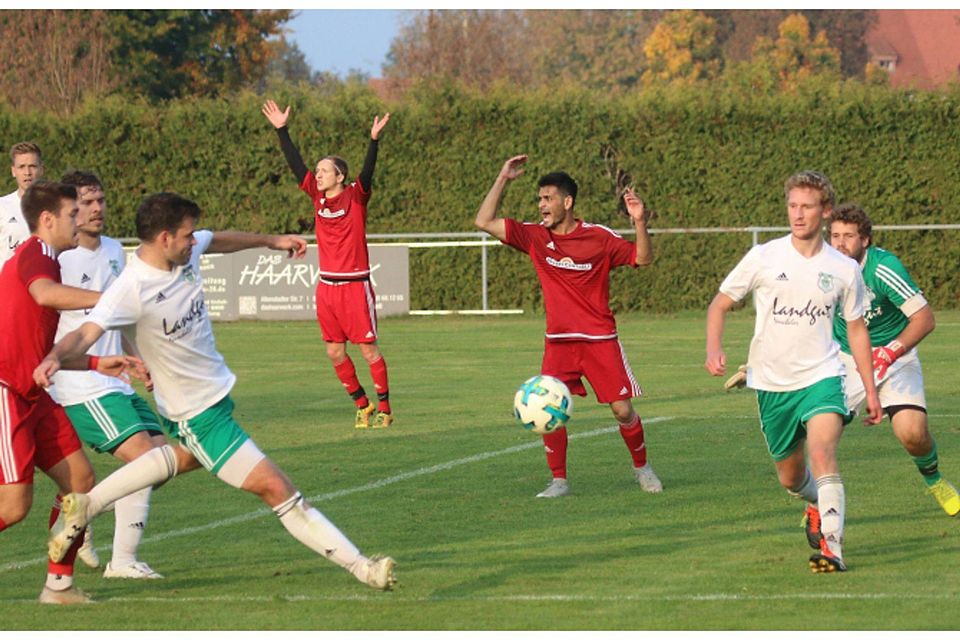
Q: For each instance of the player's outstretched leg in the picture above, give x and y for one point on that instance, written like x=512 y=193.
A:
x=153 y=467
x=315 y=531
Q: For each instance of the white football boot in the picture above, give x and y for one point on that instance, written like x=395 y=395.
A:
x=557 y=488
x=648 y=480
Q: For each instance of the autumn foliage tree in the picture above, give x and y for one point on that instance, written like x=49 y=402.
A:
x=794 y=55
x=682 y=49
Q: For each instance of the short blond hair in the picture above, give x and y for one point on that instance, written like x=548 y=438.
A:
x=24 y=147
x=812 y=180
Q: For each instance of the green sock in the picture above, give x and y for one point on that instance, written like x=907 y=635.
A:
x=927 y=465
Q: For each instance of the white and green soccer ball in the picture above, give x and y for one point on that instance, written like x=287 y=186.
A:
x=543 y=404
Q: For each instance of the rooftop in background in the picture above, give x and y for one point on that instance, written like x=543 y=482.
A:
x=919 y=48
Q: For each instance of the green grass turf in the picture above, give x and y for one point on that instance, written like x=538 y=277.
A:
x=444 y=493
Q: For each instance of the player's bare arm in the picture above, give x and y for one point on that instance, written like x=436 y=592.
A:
x=378 y=125
x=232 y=241
x=62 y=297
x=639 y=216
x=72 y=348
x=716 y=362
x=273 y=113
x=487 y=219
x=919 y=326
x=859 y=339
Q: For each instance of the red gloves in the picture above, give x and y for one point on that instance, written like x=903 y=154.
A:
x=883 y=357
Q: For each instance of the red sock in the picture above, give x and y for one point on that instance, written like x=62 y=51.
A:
x=348 y=378
x=65 y=566
x=378 y=371
x=555 y=444
x=632 y=435
x=3 y=525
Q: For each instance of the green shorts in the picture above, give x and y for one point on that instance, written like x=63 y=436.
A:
x=106 y=422
x=212 y=436
x=784 y=415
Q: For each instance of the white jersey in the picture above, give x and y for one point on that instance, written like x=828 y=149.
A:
x=164 y=314
x=93 y=270
x=796 y=299
x=13 y=226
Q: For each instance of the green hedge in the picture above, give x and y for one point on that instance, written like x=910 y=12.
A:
x=700 y=157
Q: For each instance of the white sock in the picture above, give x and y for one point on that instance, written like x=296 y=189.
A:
x=312 y=528
x=831 y=502
x=58 y=582
x=131 y=518
x=155 y=466
x=807 y=489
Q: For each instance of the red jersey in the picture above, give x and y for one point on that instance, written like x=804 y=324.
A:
x=341 y=226
x=574 y=273
x=26 y=328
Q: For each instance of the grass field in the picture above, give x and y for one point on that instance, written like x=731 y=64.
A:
x=449 y=492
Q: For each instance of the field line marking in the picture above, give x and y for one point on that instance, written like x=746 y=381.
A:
x=558 y=597
x=324 y=497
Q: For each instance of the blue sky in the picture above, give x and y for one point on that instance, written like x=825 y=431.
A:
x=340 y=40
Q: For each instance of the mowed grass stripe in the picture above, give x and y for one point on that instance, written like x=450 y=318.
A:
x=323 y=497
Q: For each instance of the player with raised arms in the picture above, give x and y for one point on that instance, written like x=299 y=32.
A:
x=799 y=285
x=34 y=430
x=346 y=306
x=26 y=165
x=158 y=302
x=107 y=413
x=573 y=259
x=898 y=318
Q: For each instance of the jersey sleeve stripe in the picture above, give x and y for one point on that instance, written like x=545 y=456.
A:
x=895 y=281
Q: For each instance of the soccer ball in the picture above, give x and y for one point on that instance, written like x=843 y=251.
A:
x=543 y=404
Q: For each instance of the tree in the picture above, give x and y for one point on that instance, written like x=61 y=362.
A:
x=170 y=53
x=599 y=49
x=738 y=30
x=794 y=55
x=474 y=47
x=682 y=49
x=594 y=48
x=54 y=58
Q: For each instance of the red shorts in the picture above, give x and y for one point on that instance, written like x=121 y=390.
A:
x=347 y=311
x=603 y=363
x=32 y=434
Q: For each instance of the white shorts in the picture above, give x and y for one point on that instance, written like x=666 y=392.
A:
x=903 y=383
